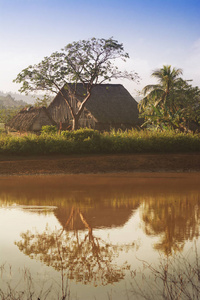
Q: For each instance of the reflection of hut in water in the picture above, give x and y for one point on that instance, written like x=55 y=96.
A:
x=96 y=217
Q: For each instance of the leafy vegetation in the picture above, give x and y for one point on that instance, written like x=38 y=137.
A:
x=6 y=114
x=9 y=107
x=172 y=103
x=81 y=134
x=85 y=141
x=49 y=129
x=43 y=101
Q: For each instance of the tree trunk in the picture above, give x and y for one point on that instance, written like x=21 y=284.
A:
x=75 y=123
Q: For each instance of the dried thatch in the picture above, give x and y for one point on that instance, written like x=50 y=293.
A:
x=109 y=105
x=31 y=119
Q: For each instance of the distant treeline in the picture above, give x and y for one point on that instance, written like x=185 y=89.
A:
x=9 y=102
x=19 y=97
x=9 y=107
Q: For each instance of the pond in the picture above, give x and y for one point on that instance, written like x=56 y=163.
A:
x=101 y=236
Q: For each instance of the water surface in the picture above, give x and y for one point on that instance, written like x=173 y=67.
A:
x=93 y=235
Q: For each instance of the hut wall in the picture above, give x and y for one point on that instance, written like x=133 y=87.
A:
x=41 y=120
x=59 y=111
x=87 y=122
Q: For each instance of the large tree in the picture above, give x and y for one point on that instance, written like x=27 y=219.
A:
x=89 y=62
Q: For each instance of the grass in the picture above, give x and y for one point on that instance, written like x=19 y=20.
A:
x=88 y=141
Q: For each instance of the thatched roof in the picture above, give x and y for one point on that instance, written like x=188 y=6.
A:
x=109 y=103
x=25 y=119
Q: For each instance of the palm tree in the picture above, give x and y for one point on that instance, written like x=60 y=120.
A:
x=159 y=94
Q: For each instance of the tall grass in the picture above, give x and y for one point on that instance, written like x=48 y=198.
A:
x=88 y=141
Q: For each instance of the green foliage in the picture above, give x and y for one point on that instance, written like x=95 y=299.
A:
x=163 y=118
x=49 y=129
x=6 y=114
x=87 y=61
x=44 y=101
x=81 y=134
x=187 y=99
x=1 y=128
x=158 y=94
x=87 y=141
x=172 y=103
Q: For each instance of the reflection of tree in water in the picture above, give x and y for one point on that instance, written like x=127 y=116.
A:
x=176 y=219
x=86 y=258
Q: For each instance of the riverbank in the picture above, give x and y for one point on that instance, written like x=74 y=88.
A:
x=75 y=164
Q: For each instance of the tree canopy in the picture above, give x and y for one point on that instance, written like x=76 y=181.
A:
x=89 y=62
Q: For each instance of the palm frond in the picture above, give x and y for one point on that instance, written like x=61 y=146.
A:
x=153 y=97
x=143 y=103
x=167 y=74
x=148 y=88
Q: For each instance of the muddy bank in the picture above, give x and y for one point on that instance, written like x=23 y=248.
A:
x=10 y=165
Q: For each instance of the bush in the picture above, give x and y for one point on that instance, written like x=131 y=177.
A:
x=49 y=129
x=85 y=141
x=81 y=134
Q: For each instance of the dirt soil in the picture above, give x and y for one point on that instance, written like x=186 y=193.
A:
x=15 y=165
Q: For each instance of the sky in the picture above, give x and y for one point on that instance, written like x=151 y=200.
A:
x=153 y=32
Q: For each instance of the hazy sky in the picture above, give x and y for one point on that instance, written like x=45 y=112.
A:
x=154 y=32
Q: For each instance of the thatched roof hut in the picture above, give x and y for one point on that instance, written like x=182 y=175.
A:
x=110 y=106
x=30 y=119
